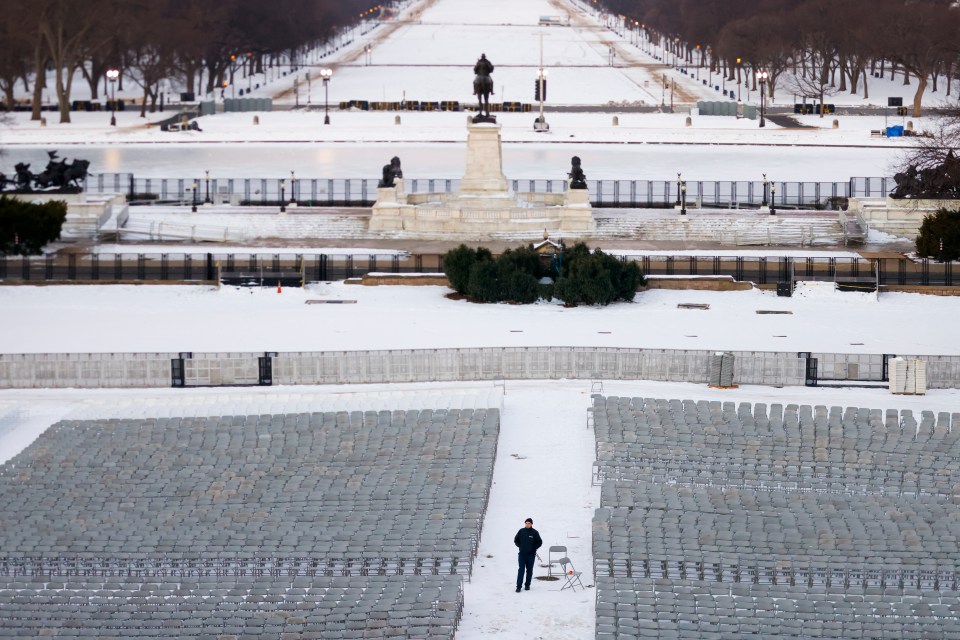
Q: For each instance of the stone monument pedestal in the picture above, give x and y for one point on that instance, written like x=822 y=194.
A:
x=484 y=206
x=484 y=174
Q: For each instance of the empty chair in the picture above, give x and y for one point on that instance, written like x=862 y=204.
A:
x=558 y=550
x=571 y=574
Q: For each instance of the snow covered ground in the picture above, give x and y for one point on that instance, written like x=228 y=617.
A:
x=124 y=318
x=545 y=451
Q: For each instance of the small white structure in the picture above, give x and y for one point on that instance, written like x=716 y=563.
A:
x=908 y=377
x=484 y=205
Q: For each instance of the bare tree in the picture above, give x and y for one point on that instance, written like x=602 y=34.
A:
x=69 y=30
x=14 y=48
x=941 y=136
x=921 y=37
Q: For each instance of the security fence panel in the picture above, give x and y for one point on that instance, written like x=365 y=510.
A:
x=513 y=364
x=436 y=364
x=585 y=363
x=854 y=367
x=603 y=192
x=631 y=363
x=564 y=361
x=362 y=191
x=355 y=367
x=471 y=364
x=764 y=367
x=943 y=372
x=330 y=367
x=491 y=363
x=724 y=194
x=538 y=363
x=378 y=365
x=871 y=187
x=402 y=366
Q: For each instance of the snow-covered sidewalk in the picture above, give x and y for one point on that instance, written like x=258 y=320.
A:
x=542 y=471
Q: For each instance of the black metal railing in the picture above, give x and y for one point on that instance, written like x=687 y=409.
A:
x=362 y=192
x=205 y=267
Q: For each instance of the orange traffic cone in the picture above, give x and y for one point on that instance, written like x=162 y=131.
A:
x=279 y=286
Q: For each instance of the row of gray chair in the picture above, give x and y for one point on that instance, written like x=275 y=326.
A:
x=788 y=504
x=265 y=607
x=289 y=485
x=630 y=608
x=308 y=525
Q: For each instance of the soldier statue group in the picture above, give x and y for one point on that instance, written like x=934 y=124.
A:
x=59 y=176
x=940 y=182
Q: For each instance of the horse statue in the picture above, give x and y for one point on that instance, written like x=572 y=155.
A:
x=578 y=180
x=76 y=173
x=24 y=177
x=53 y=174
x=482 y=88
x=391 y=172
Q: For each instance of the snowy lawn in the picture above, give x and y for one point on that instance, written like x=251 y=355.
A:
x=131 y=318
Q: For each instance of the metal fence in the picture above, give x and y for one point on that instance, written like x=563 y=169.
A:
x=94 y=370
x=362 y=192
x=196 y=267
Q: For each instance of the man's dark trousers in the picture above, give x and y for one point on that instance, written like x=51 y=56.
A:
x=525 y=562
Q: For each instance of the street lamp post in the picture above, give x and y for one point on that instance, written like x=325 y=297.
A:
x=206 y=198
x=679 y=183
x=763 y=75
x=683 y=198
x=283 y=197
x=112 y=75
x=773 y=198
x=326 y=73
x=293 y=188
x=764 y=203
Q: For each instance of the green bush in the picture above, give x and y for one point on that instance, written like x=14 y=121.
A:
x=596 y=278
x=942 y=225
x=522 y=287
x=458 y=262
x=586 y=277
x=484 y=284
x=26 y=228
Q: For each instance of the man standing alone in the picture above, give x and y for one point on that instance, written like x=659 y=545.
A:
x=527 y=541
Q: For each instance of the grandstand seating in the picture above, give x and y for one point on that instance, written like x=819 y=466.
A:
x=133 y=524
x=725 y=520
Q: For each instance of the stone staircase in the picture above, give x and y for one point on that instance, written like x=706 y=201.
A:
x=740 y=228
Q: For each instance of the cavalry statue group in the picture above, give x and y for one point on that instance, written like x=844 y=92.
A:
x=59 y=175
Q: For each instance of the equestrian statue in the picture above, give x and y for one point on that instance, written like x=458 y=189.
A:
x=58 y=177
x=482 y=88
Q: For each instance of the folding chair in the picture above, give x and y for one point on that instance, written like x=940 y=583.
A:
x=571 y=574
x=560 y=551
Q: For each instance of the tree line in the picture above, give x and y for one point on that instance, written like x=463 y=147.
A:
x=830 y=46
x=153 y=40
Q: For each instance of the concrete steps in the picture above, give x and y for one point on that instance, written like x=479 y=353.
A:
x=735 y=229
